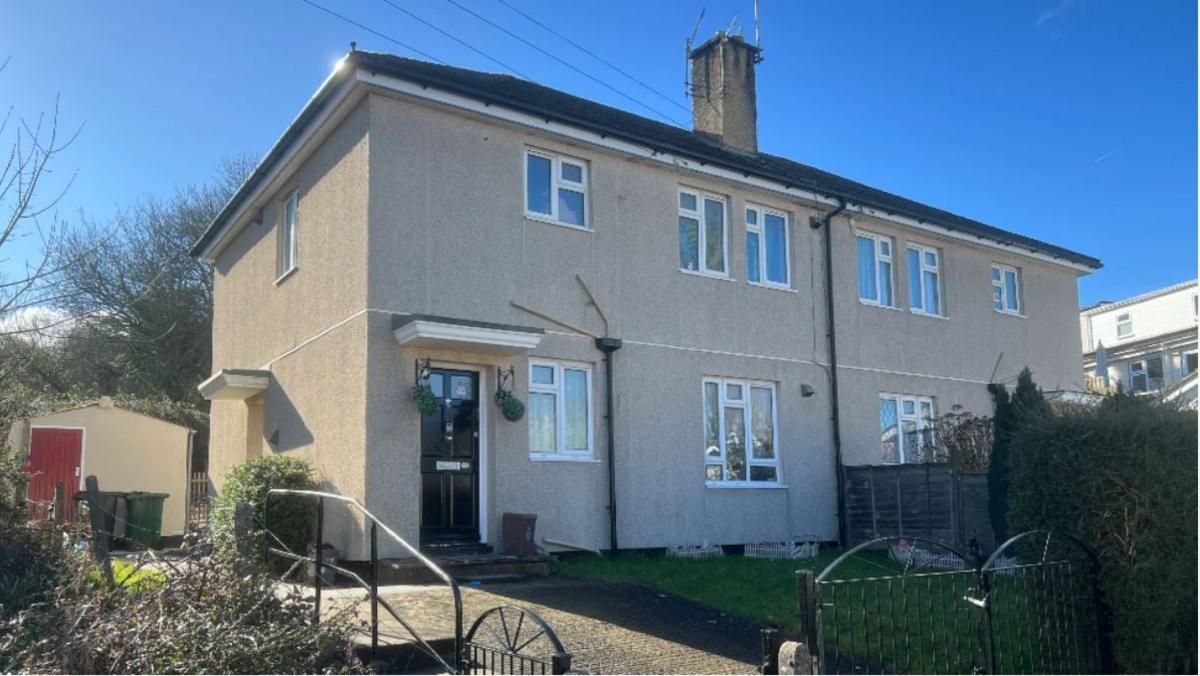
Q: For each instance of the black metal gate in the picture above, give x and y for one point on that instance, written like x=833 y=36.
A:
x=910 y=605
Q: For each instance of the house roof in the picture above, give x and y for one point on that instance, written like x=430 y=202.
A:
x=555 y=105
x=1106 y=305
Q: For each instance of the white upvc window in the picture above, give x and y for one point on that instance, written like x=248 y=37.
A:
x=560 y=410
x=768 y=261
x=874 y=269
x=740 y=433
x=1006 y=289
x=1188 y=362
x=924 y=280
x=556 y=188
x=1124 y=325
x=285 y=261
x=1146 y=375
x=703 y=233
x=906 y=425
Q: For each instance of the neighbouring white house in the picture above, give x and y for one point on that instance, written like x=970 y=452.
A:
x=1145 y=344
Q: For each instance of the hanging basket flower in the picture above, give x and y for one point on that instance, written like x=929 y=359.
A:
x=510 y=407
x=422 y=395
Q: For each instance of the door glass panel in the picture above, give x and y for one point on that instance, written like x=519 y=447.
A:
x=537 y=184
x=541 y=422
x=460 y=387
x=762 y=432
x=463 y=430
x=689 y=243
x=575 y=418
x=712 y=426
x=735 y=444
x=776 y=249
x=714 y=236
x=436 y=382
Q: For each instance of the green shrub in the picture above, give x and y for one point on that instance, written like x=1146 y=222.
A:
x=291 y=519
x=1121 y=477
x=1025 y=406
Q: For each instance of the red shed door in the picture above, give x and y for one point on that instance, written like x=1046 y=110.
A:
x=54 y=456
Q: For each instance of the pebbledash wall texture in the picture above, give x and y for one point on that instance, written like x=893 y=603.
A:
x=410 y=205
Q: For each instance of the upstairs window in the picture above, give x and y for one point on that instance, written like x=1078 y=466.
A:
x=874 y=269
x=560 y=410
x=906 y=425
x=924 y=280
x=767 y=260
x=286 y=259
x=1006 y=291
x=556 y=188
x=740 y=432
x=1124 y=325
x=702 y=233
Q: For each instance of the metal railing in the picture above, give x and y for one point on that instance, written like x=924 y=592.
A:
x=371 y=586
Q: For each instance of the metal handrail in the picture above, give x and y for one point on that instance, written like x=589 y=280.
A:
x=372 y=588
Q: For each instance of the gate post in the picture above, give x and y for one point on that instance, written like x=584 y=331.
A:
x=984 y=584
x=802 y=657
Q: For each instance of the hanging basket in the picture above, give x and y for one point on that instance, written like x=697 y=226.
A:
x=422 y=395
x=510 y=407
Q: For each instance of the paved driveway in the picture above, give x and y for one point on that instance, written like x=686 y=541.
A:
x=609 y=628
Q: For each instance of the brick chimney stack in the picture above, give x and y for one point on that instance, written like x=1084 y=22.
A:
x=723 y=96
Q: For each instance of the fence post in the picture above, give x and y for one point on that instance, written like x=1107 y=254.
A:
x=984 y=584
x=243 y=523
x=99 y=536
x=802 y=657
x=60 y=503
x=769 y=638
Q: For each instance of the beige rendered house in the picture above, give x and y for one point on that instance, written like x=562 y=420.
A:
x=658 y=298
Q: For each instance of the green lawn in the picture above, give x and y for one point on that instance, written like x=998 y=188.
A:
x=920 y=623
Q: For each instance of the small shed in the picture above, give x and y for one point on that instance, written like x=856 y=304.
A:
x=127 y=451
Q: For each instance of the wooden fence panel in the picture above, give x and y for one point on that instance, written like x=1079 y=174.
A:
x=918 y=500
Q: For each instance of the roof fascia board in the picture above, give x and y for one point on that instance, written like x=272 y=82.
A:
x=284 y=159
x=498 y=111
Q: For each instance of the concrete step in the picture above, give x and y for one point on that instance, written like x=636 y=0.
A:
x=466 y=568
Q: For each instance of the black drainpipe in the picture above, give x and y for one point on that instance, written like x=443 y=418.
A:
x=608 y=346
x=835 y=417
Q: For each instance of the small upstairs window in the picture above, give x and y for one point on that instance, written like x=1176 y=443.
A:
x=285 y=261
x=1006 y=290
x=702 y=233
x=874 y=269
x=1124 y=325
x=556 y=188
x=924 y=280
x=767 y=260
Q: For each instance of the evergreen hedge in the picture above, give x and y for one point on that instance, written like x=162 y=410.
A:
x=1121 y=477
x=291 y=519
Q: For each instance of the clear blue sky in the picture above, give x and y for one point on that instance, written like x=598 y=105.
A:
x=1070 y=121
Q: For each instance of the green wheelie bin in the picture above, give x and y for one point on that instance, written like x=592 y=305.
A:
x=144 y=517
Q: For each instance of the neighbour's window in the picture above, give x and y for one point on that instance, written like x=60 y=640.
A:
x=560 y=409
x=874 y=269
x=740 y=440
x=1187 y=362
x=702 y=233
x=1124 y=325
x=906 y=425
x=924 y=280
x=556 y=188
x=1006 y=290
x=767 y=247
x=1146 y=375
x=286 y=260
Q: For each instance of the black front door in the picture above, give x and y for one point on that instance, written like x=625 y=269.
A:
x=450 y=460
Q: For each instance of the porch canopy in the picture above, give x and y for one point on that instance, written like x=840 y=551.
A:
x=236 y=384
x=464 y=334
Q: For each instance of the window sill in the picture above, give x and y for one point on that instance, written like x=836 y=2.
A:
x=562 y=457
x=922 y=313
x=291 y=271
x=881 y=306
x=758 y=485
x=776 y=287
x=1009 y=313
x=710 y=275
x=549 y=220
